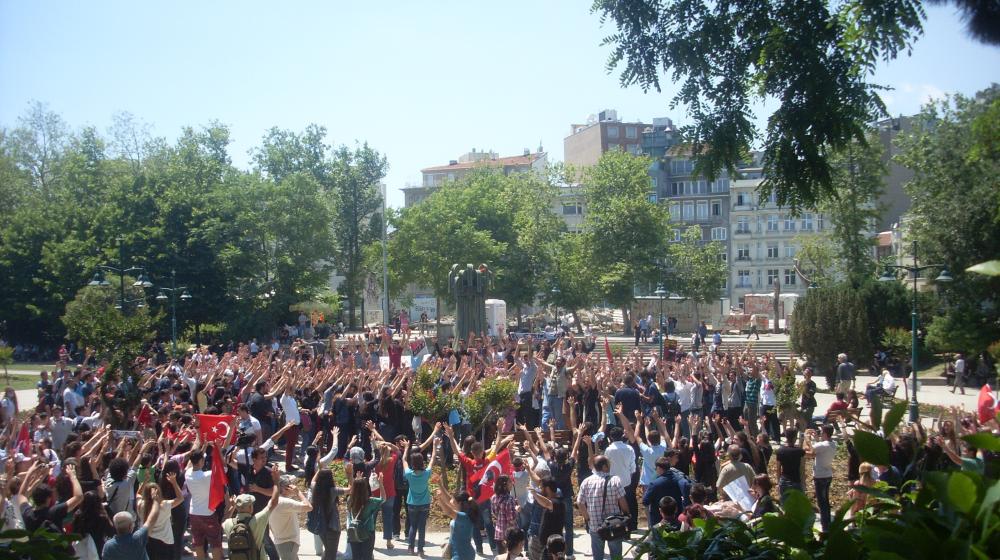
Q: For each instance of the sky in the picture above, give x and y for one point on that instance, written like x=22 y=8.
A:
x=422 y=82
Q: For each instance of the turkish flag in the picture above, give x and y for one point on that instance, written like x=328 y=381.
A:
x=607 y=351
x=23 y=442
x=219 y=482
x=481 y=481
x=215 y=428
x=987 y=405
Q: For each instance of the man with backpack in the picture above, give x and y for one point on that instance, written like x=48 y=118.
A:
x=246 y=529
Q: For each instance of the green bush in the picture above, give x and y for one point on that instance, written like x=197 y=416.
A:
x=994 y=351
x=493 y=395
x=426 y=400
x=828 y=321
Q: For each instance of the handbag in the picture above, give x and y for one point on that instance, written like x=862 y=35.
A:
x=614 y=527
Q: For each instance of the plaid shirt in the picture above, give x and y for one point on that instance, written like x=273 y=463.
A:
x=504 y=514
x=752 y=392
x=592 y=496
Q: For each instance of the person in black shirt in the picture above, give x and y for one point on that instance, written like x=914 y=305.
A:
x=262 y=409
x=262 y=488
x=789 y=460
x=553 y=514
x=628 y=396
x=43 y=511
x=762 y=490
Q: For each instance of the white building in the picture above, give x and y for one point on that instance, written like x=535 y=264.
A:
x=764 y=241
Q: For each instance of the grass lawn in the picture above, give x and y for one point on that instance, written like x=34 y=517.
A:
x=30 y=366
x=18 y=382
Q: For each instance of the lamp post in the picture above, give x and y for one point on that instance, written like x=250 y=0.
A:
x=555 y=297
x=661 y=293
x=141 y=282
x=162 y=296
x=889 y=276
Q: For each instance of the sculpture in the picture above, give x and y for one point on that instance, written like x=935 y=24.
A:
x=469 y=287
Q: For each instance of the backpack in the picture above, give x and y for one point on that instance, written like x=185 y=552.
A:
x=355 y=528
x=241 y=542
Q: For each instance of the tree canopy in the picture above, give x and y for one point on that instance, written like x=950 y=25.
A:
x=815 y=59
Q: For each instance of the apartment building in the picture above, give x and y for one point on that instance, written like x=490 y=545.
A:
x=434 y=177
x=764 y=240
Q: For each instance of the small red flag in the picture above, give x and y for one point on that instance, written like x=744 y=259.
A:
x=987 y=405
x=217 y=490
x=23 y=443
x=480 y=485
x=215 y=428
x=145 y=417
x=607 y=351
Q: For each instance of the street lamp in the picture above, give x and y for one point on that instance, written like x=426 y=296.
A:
x=889 y=276
x=141 y=282
x=555 y=297
x=162 y=296
x=661 y=293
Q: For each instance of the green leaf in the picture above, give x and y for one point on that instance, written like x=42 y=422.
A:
x=893 y=417
x=871 y=448
x=990 y=499
x=989 y=268
x=783 y=529
x=961 y=491
x=983 y=440
x=799 y=509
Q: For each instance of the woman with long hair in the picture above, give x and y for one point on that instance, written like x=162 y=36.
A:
x=361 y=511
x=90 y=520
x=463 y=511
x=325 y=498
x=418 y=496
x=160 y=544
x=867 y=480
x=178 y=516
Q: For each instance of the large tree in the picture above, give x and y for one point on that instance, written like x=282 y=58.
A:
x=828 y=321
x=504 y=221
x=955 y=213
x=815 y=59
x=695 y=269
x=625 y=230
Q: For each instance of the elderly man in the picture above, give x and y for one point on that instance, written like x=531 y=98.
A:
x=255 y=523
x=845 y=374
x=129 y=543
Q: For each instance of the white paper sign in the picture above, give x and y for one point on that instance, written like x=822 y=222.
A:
x=739 y=492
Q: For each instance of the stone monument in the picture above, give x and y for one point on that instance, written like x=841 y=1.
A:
x=470 y=286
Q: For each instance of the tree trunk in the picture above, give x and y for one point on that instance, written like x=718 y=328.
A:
x=437 y=316
x=627 y=319
x=576 y=320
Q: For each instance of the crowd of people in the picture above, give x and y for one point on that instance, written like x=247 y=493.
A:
x=237 y=450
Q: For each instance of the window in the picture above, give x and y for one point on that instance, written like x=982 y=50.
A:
x=743 y=224
x=772 y=250
x=631 y=132
x=681 y=166
x=572 y=209
x=716 y=207
x=772 y=276
x=819 y=222
x=677 y=235
x=675 y=212
x=689 y=187
x=789 y=223
x=723 y=256
x=789 y=276
x=675 y=188
x=742 y=278
x=718 y=234
x=613 y=147
x=652 y=197
x=652 y=182
x=612 y=132
x=773 y=198
x=807 y=222
x=688 y=213
x=772 y=223
x=743 y=252
x=790 y=251
x=633 y=149
x=743 y=199
x=720 y=185
x=701 y=212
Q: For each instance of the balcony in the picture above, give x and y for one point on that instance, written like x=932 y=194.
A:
x=741 y=231
x=743 y=258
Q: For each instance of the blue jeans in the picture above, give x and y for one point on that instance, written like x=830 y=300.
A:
x=552 y=409
x=388 y=517
x=597 y=547
x=417 y=515
x=486 y=520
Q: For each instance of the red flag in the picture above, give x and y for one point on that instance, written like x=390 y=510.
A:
x=215 y=428
x=480 y=484
x=23 y=443
x=145 y=417
x=217 y=489
x=987 y=405
x=607 y=351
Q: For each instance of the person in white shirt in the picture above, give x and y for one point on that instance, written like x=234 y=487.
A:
x=248 y=424
x=204 y=525
x=60 y=427
x=622 y=458
x=284 y=521
x=292 y=416
x=959 y=373
x=71 y=399
x=824 y=451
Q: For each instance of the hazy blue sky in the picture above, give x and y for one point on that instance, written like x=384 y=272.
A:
x=423 y=82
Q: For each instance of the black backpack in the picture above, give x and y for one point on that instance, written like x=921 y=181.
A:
x=241 y=542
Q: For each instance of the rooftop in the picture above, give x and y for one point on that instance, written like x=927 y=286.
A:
x=509 y=161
